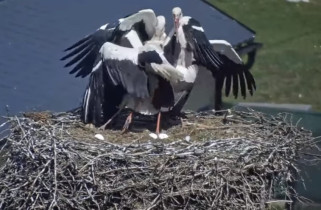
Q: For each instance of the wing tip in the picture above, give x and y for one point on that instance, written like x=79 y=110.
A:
x=80 y=42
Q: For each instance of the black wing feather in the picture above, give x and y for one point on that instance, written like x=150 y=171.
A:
x=75 y=51
x=235 y=84
x=83 y=63
x=228 y=84
x=251 y=86
x=80 y=56
x=86 y=50
x=240 y=75
x=87 y=64
x=235 y=75
x=163 y=95
x=215 y=58
x=172 y=50
x=80 y=42
x=103 y=100
x=129 y=76
x=242 y=84
x=203 y=51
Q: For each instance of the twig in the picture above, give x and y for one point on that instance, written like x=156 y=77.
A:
x=48 y=166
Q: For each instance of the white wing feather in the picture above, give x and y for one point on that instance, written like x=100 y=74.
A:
x=116 y=52
x=147 y=16
x=167 y=71
x=225 y=48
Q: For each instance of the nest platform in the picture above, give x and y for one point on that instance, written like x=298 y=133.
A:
x=240 y=160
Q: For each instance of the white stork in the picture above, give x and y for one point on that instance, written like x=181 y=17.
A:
x=137 y=78
x=130 y=31
x=187 y=48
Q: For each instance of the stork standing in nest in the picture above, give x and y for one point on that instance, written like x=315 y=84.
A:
x=141 y=77
x=188 y=49
x=131 y=31
x=126 y=73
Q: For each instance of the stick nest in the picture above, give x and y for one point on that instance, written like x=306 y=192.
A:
x=238 y=161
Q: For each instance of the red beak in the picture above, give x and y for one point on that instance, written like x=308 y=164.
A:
x=176 y=21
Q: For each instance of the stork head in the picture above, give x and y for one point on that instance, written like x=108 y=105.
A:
x=160 y=27
x=177 y=15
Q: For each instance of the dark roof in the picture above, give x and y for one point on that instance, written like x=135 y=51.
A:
x=34 y=33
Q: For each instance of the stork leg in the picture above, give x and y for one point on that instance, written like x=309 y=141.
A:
x=103 y=127
x=158 y=123
x=127 y=123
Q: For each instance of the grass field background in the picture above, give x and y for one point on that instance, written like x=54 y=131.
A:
x=288 y=67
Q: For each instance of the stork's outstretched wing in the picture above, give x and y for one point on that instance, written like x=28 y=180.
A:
x=223 y=62
x=237 y=71
x=123 y=69
x=84 y=52
x=140 y=73
x=130 y=31
x=197 y=42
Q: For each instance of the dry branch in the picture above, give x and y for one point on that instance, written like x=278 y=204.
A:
x=53 y=161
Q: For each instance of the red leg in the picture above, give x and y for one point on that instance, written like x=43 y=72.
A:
x=127 y=122
x=158 y=123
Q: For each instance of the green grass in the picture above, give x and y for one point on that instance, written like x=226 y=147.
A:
x=288 y=67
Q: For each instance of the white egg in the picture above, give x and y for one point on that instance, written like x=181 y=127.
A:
x=187 y=138
x=162 y=136
x=153 y=135
x=99 y=137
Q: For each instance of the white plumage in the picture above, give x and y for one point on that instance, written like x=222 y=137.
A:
x=130 y=31
x=225 y=48
x=144 y=74
x=192 y=49
x=141 y=74
x=120 y=41
x=112 y=51
x=147 y=16
x=133 y=64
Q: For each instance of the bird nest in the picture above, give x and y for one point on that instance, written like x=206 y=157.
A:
x=242 y=160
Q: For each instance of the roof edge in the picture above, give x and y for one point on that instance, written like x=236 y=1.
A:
x=214 y=7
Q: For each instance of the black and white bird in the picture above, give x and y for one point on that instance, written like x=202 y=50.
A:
x=137 y=76
x=188 y=49
x=130 y=31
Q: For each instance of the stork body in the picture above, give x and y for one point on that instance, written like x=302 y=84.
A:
x=131 y=31
x=126 y=73
x=142 y=76
x=188 y=47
